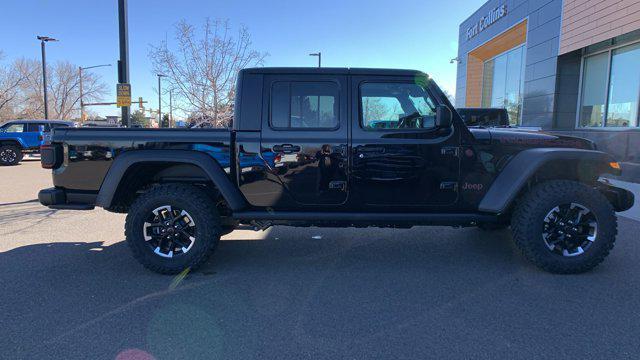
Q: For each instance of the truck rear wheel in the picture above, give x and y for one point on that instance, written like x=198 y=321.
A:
x=172 y=228
x=10 y=155
x=564 y=227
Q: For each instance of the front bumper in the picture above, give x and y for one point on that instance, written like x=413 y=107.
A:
x=621 y=199
x=60 y=199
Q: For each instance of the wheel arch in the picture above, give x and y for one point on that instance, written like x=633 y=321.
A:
x=176 y=165
x=14 y=142
x=535 y=165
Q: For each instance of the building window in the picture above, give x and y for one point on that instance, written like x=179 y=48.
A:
x=502 y=80
x=396 y=106
x=304 y=105
x=611 y=88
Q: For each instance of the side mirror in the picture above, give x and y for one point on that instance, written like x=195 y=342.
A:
x=444 y=116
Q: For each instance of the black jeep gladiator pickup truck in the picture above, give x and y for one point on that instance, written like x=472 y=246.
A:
x=339 y=148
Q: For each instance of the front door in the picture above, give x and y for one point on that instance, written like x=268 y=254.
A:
x=399 y=157
x=305 y=133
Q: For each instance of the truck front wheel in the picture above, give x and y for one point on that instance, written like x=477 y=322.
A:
x=564 y=227
x=172 y=228
x=10 y=155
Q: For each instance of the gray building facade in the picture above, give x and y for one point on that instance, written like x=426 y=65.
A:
x=569 y=66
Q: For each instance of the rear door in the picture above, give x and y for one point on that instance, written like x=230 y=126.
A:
x=399 y=158
x=35 y=133
x=305 y=137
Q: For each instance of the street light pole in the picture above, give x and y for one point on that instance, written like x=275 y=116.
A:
x=43 y=40
x=319 y=55
x=123 y=63
x=170 y=107
x=81 y=95
x=81 y=87
x=160 y=76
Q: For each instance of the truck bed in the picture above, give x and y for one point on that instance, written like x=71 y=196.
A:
x=137 y=134
x=89 y=152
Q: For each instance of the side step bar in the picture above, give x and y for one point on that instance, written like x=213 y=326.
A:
x=353 y=217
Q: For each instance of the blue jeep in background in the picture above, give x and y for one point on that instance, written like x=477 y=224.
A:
x=24 y=136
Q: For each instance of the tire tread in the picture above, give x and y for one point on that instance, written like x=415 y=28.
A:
x=524 y=225
x=200 y=203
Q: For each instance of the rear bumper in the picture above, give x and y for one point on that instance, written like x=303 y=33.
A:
x=55 y=198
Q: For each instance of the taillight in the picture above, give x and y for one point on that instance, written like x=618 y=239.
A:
x=51 y=156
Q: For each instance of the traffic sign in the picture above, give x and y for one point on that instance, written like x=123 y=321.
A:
x=124 y=95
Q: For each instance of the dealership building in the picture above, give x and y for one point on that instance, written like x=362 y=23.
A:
x=569 y=66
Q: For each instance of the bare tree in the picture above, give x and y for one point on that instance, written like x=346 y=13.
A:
x=374 y=109
x=31 y=98
x=202 y=68
x=63 y=83
x=10 y=81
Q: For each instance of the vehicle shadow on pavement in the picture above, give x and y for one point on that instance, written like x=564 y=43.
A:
x=297 y=293
x=22 y=215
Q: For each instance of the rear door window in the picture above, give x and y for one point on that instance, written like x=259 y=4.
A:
x=304 y=105
x=34 y=127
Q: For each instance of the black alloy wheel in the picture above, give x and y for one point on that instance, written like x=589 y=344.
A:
x=169 y=231
x=570 y=229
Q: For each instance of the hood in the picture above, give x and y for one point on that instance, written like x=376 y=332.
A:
x=532 y=139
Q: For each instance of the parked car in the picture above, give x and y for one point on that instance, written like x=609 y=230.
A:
x=19 y=137
x=182 y=189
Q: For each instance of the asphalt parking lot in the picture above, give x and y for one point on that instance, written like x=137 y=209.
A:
x=70 y=289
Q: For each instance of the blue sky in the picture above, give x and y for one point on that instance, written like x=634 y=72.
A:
x=411 y=34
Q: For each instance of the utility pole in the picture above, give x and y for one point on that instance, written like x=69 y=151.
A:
x=81 y=87
x=160 y=76
x=123 y=63
x=319 y=55
x=43 y=40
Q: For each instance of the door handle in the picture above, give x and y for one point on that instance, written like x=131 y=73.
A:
x=368 y=149
x=450 y=151
x=287 y=148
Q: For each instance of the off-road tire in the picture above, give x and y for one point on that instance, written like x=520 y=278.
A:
x=17 y=152
x=527 y=225
x=199 y=206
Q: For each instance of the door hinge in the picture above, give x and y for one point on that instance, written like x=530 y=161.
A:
x=449 y=185
x=450 y=150
x=342 y=150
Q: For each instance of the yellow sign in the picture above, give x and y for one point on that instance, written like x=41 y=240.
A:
x=124 y=95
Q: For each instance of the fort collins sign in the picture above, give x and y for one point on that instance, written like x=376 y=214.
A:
x=486 y=21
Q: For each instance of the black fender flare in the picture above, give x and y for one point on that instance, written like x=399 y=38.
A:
x=525 y=164
x=214 y=171
x=12 y=142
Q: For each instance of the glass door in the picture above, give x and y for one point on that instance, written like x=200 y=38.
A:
x=502 y=83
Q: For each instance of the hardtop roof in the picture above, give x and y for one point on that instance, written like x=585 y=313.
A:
x=333 y=71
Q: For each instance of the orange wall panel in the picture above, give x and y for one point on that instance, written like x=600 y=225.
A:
x=508 y=40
